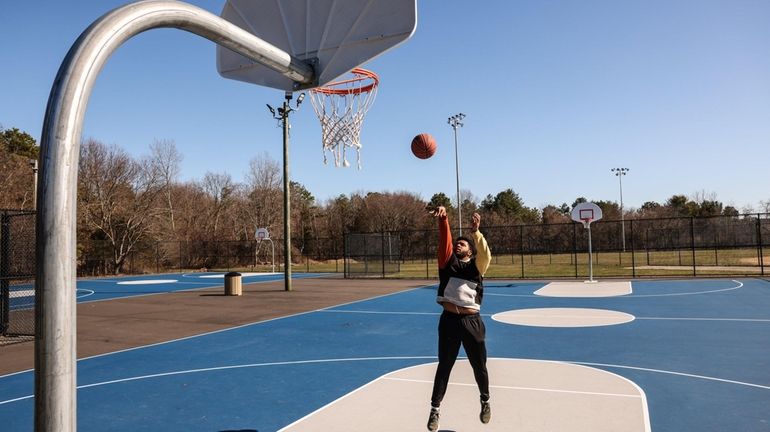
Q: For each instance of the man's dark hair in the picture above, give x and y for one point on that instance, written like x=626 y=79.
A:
x=470 y=242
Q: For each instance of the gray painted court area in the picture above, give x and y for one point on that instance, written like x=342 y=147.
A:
x=528 y=395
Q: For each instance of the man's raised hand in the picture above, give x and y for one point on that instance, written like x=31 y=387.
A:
x=439 y=212
x=475 y=222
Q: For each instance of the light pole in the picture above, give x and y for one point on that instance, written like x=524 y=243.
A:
x=282 y=115
x=457 y=121
x=619 y=173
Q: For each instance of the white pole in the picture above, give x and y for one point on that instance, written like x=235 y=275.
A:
x=622 y=215
x=457 y=176
x=456 y=121
x=620 y=172
x=590 y=256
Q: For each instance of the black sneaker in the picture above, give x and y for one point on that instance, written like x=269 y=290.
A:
x=433 y=420
x=486 y=412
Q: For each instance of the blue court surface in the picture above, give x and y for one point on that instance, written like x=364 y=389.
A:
x=89 y=290
x=699 y=350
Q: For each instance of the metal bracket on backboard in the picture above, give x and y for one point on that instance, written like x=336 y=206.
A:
x=313 y=63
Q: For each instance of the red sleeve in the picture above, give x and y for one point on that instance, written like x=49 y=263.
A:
x=444 y=242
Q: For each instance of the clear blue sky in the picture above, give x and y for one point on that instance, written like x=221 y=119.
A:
x=556 y=93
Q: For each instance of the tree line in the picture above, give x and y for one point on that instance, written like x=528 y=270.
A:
x=127 y=202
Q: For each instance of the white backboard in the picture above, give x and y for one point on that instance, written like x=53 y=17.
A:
x=262 y=234
x=337 y=35
x=586 y=211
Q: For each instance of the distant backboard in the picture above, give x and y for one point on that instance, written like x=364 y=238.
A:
x=335 y=35
x=262 y=234
x=586 y=213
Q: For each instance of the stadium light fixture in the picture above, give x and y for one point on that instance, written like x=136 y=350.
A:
x=457 y=121
x=619 y=173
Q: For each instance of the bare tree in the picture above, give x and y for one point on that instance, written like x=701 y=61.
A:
x=764 y=206
x=165 y=160
x=393 y=211
x=219 y=188
x=15 y=181
x=264 y=199
x=189 y=199
x=117 y=197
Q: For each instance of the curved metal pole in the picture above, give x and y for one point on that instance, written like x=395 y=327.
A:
x=55 y=308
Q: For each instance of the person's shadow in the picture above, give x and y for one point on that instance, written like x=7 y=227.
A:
x=240 y=430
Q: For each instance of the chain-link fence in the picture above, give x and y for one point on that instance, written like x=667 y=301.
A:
x=711 y=246
x=308 y=255
x=17 y=276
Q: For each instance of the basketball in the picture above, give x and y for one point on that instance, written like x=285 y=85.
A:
x=423 y=146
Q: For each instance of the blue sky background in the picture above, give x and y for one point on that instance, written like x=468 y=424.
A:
x=556 y=93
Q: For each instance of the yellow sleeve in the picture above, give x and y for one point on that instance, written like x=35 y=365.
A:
x=483 y=254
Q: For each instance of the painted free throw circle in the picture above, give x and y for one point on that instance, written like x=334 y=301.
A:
x=563 y=317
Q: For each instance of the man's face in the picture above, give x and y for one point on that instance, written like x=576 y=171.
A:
x=462 y=249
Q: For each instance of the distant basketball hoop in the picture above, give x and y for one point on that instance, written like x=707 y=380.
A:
x=341 y=107
x=587 y=213
x=261 y=235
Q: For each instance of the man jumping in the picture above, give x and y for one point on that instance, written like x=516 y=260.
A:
x=461 y=268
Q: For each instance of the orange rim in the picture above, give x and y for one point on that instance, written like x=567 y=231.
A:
x=360 y=75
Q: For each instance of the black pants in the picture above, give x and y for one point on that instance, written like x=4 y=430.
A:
x=469 y=331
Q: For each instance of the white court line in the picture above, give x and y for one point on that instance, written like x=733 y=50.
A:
x=740 y=285
x=675 y=373
x=357 y=359
x=207 y=286
x=521 y=388
x=226 y=329
x=704 y=319
x=147 y=281
x=88 y=293
x=557 y=316
x=219 y=368
x=378 y=312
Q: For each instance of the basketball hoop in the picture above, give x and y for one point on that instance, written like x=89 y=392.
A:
x=341 y=107
x=586 y=217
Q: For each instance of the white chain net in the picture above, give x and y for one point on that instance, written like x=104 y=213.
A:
x=341 y=116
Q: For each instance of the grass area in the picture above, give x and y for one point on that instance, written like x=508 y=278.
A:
x=605 y=264
x=722 y=262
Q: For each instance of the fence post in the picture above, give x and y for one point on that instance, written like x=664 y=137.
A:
x=574 y=248
x=345 y=255
x=692 y=242
x=5 y=288
x=647 y=244
x=633 y=251
x=427 y=257
x=521 y=248
x=759 y=242
x=382 y=251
